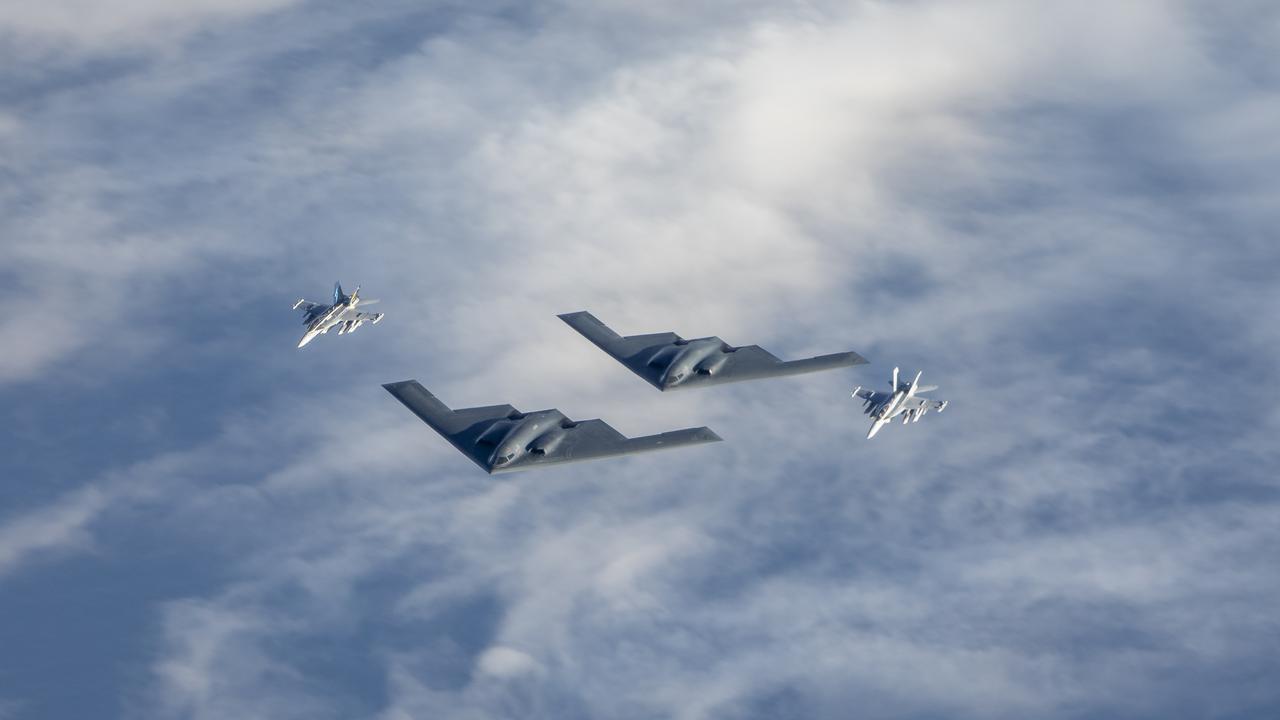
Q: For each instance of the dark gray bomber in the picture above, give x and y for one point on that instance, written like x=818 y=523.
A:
x=668 y=361
x=501 y=439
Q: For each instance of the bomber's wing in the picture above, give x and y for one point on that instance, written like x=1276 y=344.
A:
x=565 y=441
x=634 y=351
x=596 y=439
x=462 y=428
x=649 y=356
x=752 y=362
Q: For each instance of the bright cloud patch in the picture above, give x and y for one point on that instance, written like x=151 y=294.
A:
x=1062 y=215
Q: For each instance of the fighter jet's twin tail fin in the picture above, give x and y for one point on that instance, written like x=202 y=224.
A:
x=915 y=386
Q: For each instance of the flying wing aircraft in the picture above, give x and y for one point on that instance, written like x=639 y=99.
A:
x=668 y=361
x=902 y=400
x=320 y=318
x=501 y=439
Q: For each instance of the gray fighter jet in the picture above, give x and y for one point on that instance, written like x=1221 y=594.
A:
x=501 y=439
x=341 y=313
x=668 y=361
x=902 y=400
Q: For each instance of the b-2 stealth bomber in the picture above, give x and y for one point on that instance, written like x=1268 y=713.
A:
x=902 y=400
x=668 y=361
x=501 y=439
x=341 y=313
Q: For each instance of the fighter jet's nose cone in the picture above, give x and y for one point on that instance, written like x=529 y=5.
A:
x=875 y=428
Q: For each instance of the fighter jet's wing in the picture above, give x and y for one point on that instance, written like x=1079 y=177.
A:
x=307 y=306
x=650 y=355
x=348 y=314
x=921 y=405
x=871 y=395
x=562 y=441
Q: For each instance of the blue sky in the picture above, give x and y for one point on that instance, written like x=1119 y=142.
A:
x=1065 y=215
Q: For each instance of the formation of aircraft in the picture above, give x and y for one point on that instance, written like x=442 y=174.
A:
x=903 y=400
x=340 y=313
x=500 y=438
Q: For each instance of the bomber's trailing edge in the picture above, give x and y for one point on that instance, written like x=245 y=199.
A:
x=903 y=400
x=341 y=313
x=501 y=439
x=668 y=361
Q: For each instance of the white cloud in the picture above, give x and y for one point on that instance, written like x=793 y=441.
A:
x=967 y=184
x=58 y=526
x=128 y=26
x=505 y=662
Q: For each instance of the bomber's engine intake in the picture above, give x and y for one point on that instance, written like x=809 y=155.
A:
x=705 y=356
x=712 y=364
x=547 y=442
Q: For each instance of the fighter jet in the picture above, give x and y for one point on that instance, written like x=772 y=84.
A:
x=501 y=439
x=341 y=313
x=903 y=400
x=668 y=361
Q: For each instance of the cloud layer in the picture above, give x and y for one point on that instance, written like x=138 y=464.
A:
x=1063 y=215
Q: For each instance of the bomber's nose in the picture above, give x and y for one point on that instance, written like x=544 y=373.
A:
x=670 y=379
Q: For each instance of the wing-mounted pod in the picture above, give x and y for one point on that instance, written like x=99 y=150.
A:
x=716 y=361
